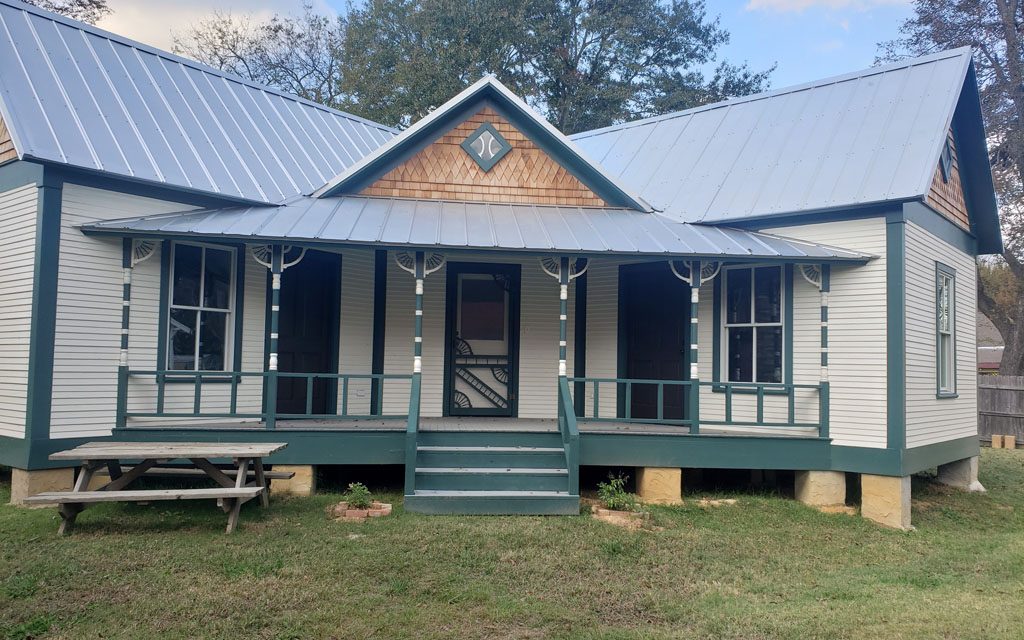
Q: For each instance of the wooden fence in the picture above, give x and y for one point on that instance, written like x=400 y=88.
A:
x=1001 y=406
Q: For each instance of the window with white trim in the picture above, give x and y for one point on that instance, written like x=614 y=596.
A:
x=945 y=328
x=753 y=324
x=202 y=302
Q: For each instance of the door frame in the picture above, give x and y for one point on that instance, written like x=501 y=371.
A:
x=622 y=337
x=334 y=322
x=514 y=273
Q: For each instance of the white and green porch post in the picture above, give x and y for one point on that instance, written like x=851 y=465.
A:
x=276 y=268
x=419 y=272
x=563 y=313
x=122 y=366
x=693 y=338
x=823 y=398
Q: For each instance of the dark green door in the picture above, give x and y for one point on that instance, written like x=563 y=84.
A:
x=482 y=339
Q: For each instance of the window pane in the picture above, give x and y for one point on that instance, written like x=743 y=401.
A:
x=946 y=362
x=945 y=289
x=741 y=354
x=182 y=355
x=212 y=340
x=187 y=265
x=217 y=287
x=737 y=286
x=768 y=294
x=769 y=354
x=482 y=316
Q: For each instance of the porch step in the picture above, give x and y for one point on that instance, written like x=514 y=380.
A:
x=488 y=472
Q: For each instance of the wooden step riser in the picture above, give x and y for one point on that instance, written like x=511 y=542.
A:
x=491 y=482
x=488 y=439
x=483 y=505
x=553 y=460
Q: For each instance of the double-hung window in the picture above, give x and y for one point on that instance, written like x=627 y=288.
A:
x=753 y=321
x=201 y=307
x=945 y=327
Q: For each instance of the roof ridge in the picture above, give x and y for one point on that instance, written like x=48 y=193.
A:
x=773 y=93
x=172 y=57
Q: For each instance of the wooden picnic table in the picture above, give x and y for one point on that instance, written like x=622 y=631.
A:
x=235 y=487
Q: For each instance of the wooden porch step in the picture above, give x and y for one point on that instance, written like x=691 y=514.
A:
x=489 y=470
x=146 y=495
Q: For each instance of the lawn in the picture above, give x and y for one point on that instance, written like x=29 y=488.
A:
x=766 y=567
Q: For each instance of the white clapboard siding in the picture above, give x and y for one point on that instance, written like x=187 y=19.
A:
x=356 y=341
x=88 y=328
x=857 y=331
x=17 y=246
x=538 y=337
x=930 y=419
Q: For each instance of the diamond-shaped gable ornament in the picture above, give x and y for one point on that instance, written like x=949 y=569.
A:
x=486 y=146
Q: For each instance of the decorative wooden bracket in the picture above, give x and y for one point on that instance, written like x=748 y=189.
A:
x=550 y=267
x=708 y=271
x=407 y=262
x=262 y=254
x=142 y=250
x=812 y=274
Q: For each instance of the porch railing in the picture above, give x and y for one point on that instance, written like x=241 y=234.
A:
x=570 y=433
x=731 y=404
x=218 y=404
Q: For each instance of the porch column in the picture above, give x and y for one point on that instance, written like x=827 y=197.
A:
x=276 y=267
x=823 y=400
x=563 y=312
x=695 y=282
x=132 y=253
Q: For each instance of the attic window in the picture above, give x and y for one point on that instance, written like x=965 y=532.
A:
x=946 y=160
x=486 y=146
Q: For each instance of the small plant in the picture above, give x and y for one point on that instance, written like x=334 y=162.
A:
x=358 y=496
x=614 y=495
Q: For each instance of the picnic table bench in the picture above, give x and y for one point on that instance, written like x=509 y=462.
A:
x=237 y=485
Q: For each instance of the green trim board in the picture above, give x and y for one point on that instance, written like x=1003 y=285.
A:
x=579 y=365
x=896 y=331
x=942 y=270
x=44 y=307
x=380 y=306
x=941 y=227
x=19 y=174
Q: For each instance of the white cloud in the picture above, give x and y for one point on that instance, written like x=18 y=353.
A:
x=797 y=6
x=154 y=22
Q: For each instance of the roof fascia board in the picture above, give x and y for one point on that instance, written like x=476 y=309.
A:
x=160 y=53
x=19 y=174
x=112 y=182
x=490 y=91
x=811 y=216
x=938 y=225
x=928 y=172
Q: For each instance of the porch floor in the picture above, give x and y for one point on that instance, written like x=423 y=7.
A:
x=484 y=424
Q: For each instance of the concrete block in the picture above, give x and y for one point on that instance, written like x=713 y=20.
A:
x=886 y=500
x=660 y=485
x=962 y=474
x=303 y=483
x=29 y=483
x=1009 y=442
x=821 y=488
x=997 y=442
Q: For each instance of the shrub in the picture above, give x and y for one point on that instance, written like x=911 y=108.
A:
x=358 y=496
x=613 y=494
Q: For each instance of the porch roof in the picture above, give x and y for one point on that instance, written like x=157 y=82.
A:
x=439 y=224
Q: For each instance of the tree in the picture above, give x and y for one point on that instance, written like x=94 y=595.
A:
x=583 y=63
x=84 y=10
x=298 y=54
x=994 y=28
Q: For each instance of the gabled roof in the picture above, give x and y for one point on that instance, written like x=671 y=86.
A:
x=488 y=90
x=76 y=95
x=862 y=138
x=439 y=224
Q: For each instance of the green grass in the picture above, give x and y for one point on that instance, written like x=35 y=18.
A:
x=766 y=567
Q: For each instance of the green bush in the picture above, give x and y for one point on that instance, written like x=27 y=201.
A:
x=358 y=496
x=613 y=494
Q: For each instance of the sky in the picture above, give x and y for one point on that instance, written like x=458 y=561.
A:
x=806 y=39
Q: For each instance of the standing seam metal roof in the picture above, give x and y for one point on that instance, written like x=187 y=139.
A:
x=471 y=225
x=76 y=95
x=856 y=139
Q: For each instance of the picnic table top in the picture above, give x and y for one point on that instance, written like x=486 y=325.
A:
x=168 y=450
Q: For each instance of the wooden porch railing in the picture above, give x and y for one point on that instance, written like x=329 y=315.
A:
x=228 y=407
x=570 y=434
x=751 y=413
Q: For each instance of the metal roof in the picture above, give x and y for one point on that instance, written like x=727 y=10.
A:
x=399 y=222
x=76 y=95
x=860 y=138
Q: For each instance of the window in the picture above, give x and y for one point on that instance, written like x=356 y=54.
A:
x=946 y=160
x=945 y=327
x=201 y=307
x=753 y=324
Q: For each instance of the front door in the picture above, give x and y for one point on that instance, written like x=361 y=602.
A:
x=654 y=316
x=308 y=330
x=482 y=339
